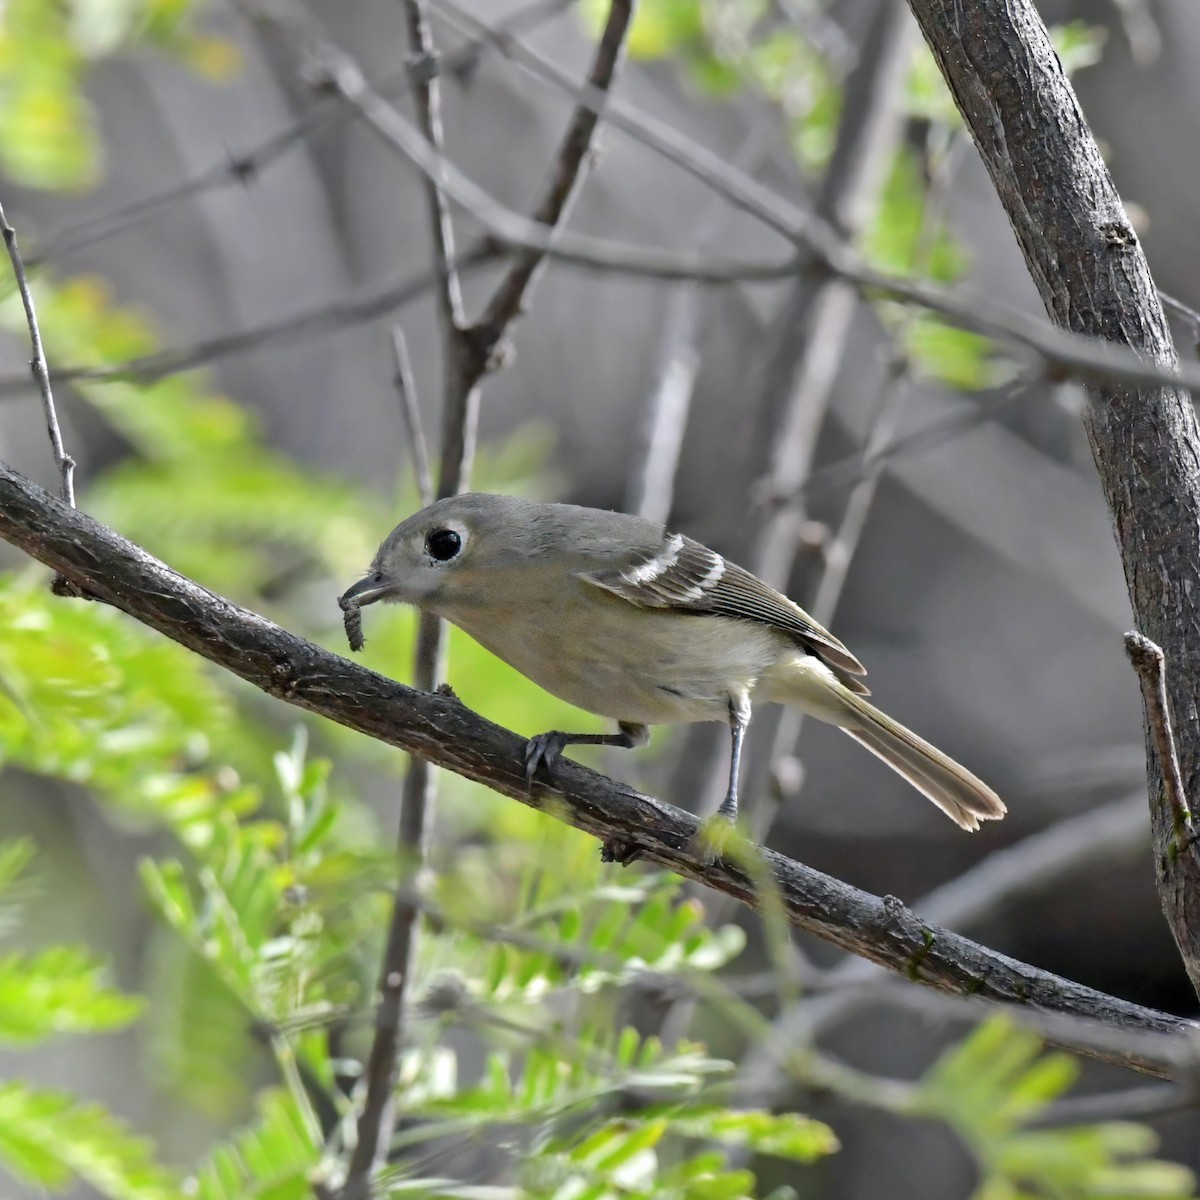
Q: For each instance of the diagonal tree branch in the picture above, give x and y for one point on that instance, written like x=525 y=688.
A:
x=1081 y=844
x=438 y=727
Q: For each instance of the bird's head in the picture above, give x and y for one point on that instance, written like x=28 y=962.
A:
x=445 y=557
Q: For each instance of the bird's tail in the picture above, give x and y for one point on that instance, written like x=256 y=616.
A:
x=963 y=797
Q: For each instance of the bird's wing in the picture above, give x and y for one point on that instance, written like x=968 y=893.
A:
x=685 y=576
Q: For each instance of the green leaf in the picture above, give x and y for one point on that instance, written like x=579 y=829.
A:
x=997 y=1080
x=49 y=1139
x=89 y=696
x=782 y=1135
x=50 y=139
x=58 y=990
x=198 y=1036
x=897 y=241
x=957 y=357
x=271 y=1160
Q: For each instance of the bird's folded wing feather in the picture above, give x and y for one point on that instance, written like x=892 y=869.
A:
x=685 y=576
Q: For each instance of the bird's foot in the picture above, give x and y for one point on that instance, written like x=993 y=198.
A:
x=544 y=751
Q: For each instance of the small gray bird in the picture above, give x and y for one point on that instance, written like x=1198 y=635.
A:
x=620 y=617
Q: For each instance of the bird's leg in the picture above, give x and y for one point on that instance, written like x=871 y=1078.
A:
x=544 y=750
x=716 y=834
x=739 y=719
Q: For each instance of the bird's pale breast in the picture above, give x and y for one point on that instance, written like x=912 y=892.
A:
x=647 y=666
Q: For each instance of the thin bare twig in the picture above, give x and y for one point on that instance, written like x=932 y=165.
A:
x=1189 y=314
x=376 y=1122
x=427 y=96
x=801 y=375
x=414 y=429
x=40 y=370
x=520 y=235
x=1058 y=354
x=849 y=470
x=235 y=169
x=1094 y=1039
x=741 y=190
x=820 y=28
x=1148 y=662
x=838 y=550
x=38 y=367
x=573 y=152
x=881 y=428
x=1055 y=353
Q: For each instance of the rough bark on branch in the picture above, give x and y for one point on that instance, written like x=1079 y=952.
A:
x=1094 y=280
x=439 y=728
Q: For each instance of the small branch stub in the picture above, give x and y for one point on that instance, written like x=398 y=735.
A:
x=406 y=389
x=1148 y=661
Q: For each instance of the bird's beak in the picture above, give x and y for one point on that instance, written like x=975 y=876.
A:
x=366 y=591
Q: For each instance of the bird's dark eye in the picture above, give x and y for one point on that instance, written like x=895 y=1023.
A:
x=443 y=544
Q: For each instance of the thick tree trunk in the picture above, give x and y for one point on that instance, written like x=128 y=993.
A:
x=1093 y=278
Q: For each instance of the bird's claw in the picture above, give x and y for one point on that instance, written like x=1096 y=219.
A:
x=542 y=751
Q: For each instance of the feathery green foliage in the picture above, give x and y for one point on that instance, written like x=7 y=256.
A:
x=272 y=1159
x=49 y=1138
x=992 y=1085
